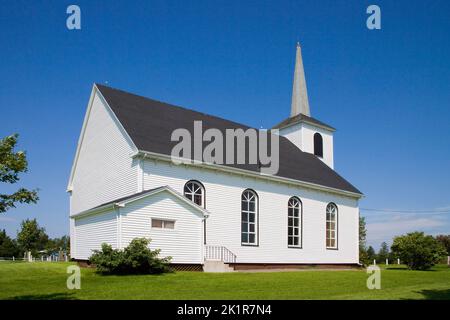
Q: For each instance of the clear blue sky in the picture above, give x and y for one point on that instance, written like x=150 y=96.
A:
x=386 y=91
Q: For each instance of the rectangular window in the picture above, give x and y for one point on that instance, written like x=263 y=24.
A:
x=163 y=224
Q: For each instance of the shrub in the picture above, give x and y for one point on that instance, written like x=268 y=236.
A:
x=137 y=258
x=445 y=240
x=418 y=251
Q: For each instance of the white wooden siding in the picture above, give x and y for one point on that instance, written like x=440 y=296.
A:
x=104 y=170
x=184 y=243
x=223 y=194
x=91 y=231
x=73 y=247
x=308 y=132
x=302 y=135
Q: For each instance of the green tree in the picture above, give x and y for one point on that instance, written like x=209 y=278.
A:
x=59 y=244
x=362 y=232
x=11 y=164
x=31 y=237
x=418 y=251
x=383 y=253
x=8 y=247
x=445 y=240
x=371 y=255
x=363 y=257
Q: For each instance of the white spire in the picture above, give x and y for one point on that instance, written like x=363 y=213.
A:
x=299 y=93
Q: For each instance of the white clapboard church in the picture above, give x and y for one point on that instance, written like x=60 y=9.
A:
x=124 y=185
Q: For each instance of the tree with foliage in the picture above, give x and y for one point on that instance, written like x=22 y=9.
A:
x=371 y=255
x=11 y=164
x=58 y=244
x=445 y=240
x=8 y=247
x=418 y=251
x=362 y=232
x=31 y=237
x=137 y=258
x=383 y=253
x=363 y=257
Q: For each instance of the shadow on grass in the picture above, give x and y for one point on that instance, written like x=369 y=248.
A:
x=51 y=296
x=435 y=294
x=124 y=275
x=406 y=269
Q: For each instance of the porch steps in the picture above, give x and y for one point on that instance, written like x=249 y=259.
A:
x=216 y=266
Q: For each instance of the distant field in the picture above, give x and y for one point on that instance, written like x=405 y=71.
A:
x=47 y=280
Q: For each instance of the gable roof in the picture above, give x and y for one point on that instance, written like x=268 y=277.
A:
x=302 y=118
x=121 y=202
x=150 y=123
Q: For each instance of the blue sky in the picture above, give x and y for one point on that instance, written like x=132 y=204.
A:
x=386 y=91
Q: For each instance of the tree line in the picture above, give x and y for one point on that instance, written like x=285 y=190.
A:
x=31 y=237
x=415 y=249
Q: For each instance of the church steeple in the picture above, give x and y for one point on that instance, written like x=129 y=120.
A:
x=306 y=133
x=300 y=104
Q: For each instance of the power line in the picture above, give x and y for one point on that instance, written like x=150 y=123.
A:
x=406 y=211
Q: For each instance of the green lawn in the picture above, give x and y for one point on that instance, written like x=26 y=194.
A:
x=41 y=280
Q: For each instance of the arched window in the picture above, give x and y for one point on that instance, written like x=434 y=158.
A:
x=249 y=217
x=294 y=222
x=318 y=145
x=331 y=231
x=194 y=191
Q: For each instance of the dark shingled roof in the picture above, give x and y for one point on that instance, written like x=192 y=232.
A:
x=138 y=194
x=126 y=198
x=150 y=124
x=300 y=118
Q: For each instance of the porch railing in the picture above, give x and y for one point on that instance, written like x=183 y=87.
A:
x=219 y=253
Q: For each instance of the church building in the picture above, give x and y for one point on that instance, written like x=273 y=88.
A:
x=124 y=184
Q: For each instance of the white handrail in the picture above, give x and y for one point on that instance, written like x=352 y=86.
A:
x=219 y=253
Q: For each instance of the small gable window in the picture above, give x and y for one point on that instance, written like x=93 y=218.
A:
x=163 y=224
x=318 y=145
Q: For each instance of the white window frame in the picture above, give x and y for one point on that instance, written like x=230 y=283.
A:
x=331 y=217
x=295 y=204
x=249 y=196
x=194 y=188
x=163 y=227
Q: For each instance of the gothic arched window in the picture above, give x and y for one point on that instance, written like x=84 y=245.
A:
x=194 y=191
x=318 y=145
x=331 y=227
x=294 y=222
x=249 y=217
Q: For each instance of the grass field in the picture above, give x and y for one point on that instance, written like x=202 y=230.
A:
x=41 y=280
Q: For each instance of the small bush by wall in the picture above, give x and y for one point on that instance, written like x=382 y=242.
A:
x=137 y=258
